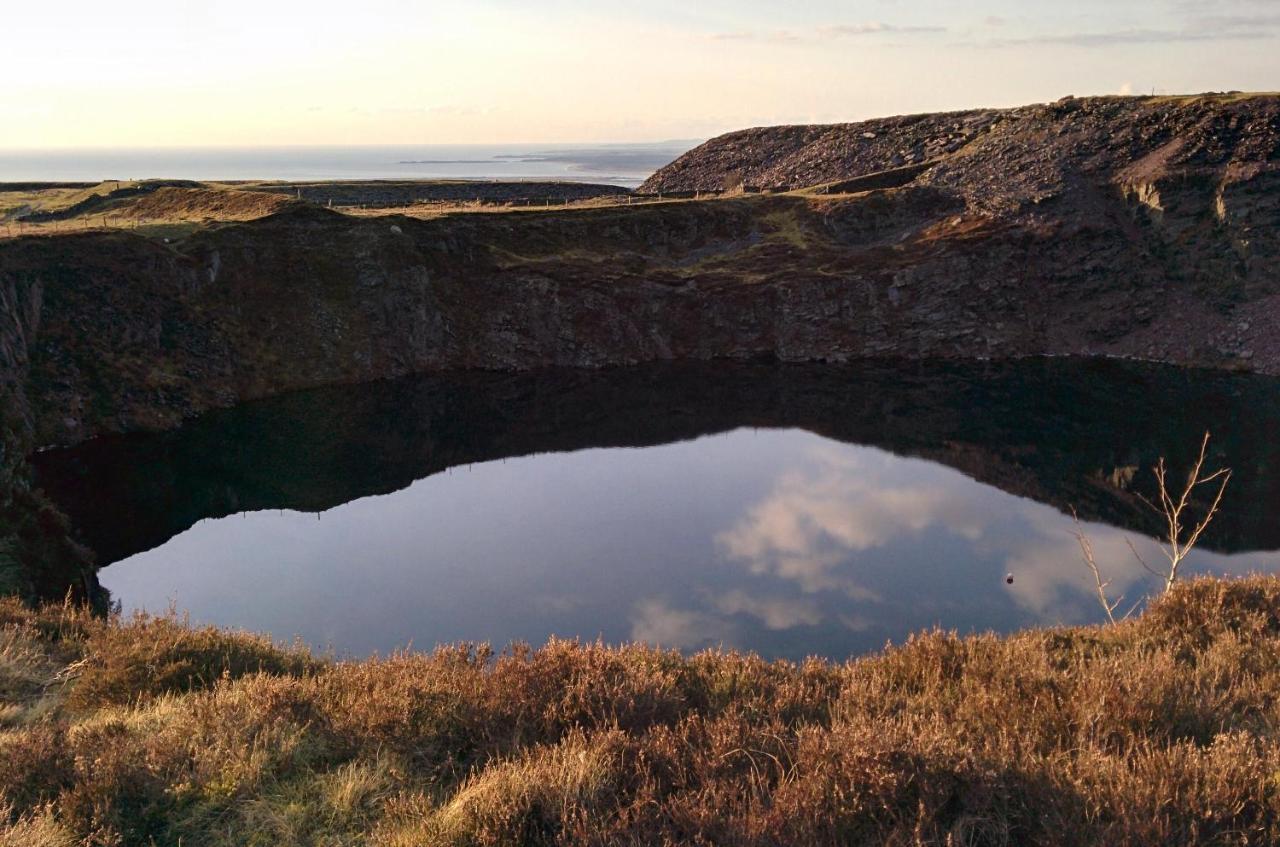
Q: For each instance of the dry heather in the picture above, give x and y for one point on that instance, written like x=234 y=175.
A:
x=190 y=204
x=1159 y=730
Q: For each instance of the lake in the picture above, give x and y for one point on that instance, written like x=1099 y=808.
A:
x=791 y=510
x=615 y=164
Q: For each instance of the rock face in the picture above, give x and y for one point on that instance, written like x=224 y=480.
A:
x=1194 y=180
x=1134 y=227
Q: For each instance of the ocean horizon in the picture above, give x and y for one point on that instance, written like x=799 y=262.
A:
x=615 y=164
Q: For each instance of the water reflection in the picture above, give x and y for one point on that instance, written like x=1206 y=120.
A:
x=777 y=541
x=794 y=539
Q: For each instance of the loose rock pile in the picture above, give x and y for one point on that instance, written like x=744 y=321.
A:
x=999 y=159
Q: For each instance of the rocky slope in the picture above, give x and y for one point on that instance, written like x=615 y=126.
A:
x=1005 y=155
x=786 y=157
x=1193 y=181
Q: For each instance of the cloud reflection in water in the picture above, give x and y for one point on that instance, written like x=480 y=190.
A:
x=778 y=541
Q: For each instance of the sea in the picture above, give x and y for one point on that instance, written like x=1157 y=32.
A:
x=614 y=164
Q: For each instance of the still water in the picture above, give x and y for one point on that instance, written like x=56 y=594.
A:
x=789 y=510
x=619 y=164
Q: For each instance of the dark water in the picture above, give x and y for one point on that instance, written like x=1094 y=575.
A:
x=790 y=510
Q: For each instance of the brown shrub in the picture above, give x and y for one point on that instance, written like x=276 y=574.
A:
x=35 y=766
x=1160 y=730
x=152 y=656
x=39 y=829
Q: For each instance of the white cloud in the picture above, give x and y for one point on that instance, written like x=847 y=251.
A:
x=654 y=621
x=811 y=527
x=774 y=612
x=873 y=28
x=827 y=32
x=807 y=528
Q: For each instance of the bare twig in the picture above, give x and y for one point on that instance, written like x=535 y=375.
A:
x=1142 y=561
x=1179 y=540
x=1086 y=548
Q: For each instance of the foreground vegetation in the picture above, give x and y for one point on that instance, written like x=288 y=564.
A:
x=1157 y=730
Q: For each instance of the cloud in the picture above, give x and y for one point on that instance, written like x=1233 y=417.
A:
x=872 y=28
x=774 y=612
x=1229 y=23
x=1052 y=581
x=1200 y=28
x=1128 y=37
x=654 y=621
x=551 y=604
x=777 y=36
x=808 y=528
x=825 y=33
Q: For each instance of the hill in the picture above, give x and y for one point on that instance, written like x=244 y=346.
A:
x=999 y=158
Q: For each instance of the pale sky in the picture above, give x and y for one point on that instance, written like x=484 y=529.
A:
x=97 y=73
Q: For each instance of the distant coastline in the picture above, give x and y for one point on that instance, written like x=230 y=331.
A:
x=620 y=164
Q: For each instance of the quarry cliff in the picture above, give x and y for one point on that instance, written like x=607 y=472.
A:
x=1133 y=227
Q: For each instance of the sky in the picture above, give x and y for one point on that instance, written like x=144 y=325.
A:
x=154 y=73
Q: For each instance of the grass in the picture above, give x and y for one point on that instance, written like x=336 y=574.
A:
x=13 y=203
x=177 y=212
x=1159 y=730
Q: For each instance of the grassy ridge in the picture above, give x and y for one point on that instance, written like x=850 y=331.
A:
x=1159 y=730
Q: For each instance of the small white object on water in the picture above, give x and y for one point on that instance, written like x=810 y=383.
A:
x=395 y=230
x=1008 y=579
